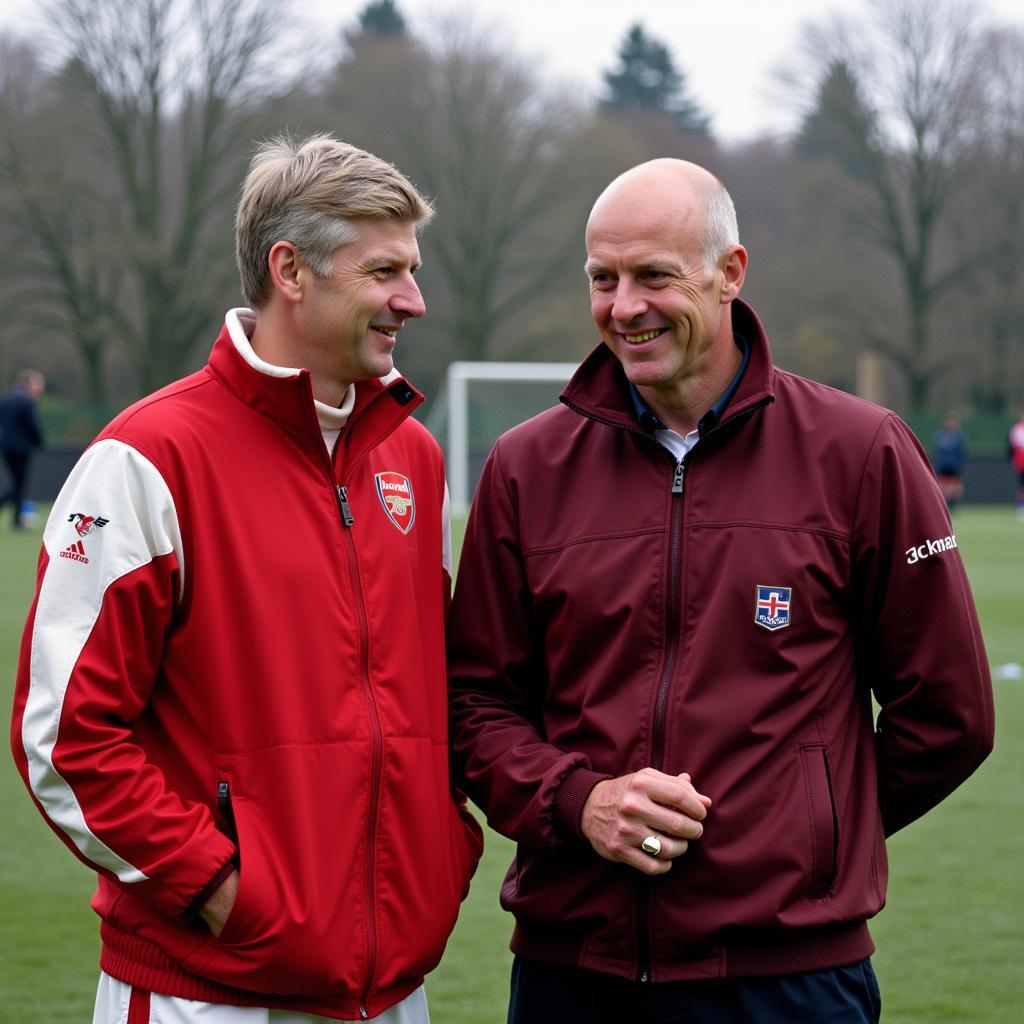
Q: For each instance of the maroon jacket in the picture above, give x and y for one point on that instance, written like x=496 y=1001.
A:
x=732 y=625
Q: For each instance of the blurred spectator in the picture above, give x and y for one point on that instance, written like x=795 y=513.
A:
x=1017 y=456
x=20 y=436
x=949 y=454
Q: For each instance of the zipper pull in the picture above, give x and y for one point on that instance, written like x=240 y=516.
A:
x=677 y=480
x=225 y=810
x=643 y=975
x=346 y=512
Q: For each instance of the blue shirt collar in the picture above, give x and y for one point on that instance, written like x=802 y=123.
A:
x=650 y=421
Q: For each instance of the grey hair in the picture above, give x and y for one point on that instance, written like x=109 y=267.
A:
x=308 y=193
x=721 y=231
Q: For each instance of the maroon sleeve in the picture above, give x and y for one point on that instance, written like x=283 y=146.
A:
x=497 y=680
x=919 y=642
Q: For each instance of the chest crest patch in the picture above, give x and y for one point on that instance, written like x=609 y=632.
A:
x=772 y=606
x=397 y=499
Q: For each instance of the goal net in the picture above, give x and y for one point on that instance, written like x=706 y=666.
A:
x=480 y=401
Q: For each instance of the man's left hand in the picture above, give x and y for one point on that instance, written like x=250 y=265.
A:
x=216 y=910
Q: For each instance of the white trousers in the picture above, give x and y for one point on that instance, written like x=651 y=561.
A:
x=115 y=1005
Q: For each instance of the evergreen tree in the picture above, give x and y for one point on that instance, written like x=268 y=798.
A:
x=647 y=80
x=841 y=126
x=383 y=19
x=379 y=22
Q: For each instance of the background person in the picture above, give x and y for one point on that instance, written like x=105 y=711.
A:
x=677 y=594
x=1017 y=461
x=20 y=435
x=231 y=694
x=949 y=457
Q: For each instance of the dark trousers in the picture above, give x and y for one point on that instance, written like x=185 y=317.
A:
x=551 y=994
x=17 y=466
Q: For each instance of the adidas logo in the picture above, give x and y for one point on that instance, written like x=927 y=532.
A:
x=76 y=552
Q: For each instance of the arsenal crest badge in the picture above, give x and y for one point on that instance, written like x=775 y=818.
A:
x=771 y=607
x=395 y=493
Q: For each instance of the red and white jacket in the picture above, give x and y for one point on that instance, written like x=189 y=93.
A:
x=236 y=655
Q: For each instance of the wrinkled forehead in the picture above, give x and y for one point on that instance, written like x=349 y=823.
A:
x=642 y=214
x=383 y=239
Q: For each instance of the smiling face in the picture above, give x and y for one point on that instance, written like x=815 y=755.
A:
x=659 y=307
x=350 y=319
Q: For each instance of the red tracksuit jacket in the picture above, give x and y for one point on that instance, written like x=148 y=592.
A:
x=731 y=620
x=217 y=666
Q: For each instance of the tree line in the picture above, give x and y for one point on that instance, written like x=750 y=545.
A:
x=887 y=225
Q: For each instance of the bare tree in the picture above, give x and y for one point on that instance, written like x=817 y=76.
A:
x=163 y=87
x=512 y=167
x=915 y=63
x=994 y=216
x=499 y=155
x=55 y=283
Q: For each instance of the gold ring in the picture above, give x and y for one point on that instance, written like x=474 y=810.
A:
x=651 y=845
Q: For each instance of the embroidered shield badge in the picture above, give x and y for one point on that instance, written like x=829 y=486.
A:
x=772 y=607
x=396 y=497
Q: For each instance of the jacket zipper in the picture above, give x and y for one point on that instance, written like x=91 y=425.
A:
x=672 y=630
x=644 y=891
x=347 y=520
x=645 y=894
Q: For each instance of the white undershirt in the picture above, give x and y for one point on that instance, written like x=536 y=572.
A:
x=675 y=442
x=241 y=323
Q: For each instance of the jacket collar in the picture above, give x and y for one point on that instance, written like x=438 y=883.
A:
x=285 y=394
x=599 y=388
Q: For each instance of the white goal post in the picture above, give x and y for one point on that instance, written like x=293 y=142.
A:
x=467 y=420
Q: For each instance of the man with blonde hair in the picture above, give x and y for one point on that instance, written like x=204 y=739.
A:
x=677 y=595
x=230 y=699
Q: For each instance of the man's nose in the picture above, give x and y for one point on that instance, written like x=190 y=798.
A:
x=628 y=303
x=409 y=301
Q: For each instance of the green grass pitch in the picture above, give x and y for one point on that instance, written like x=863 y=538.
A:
x=950 y=942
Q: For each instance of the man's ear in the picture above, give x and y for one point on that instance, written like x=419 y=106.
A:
x=734 y=270
x=287 y=270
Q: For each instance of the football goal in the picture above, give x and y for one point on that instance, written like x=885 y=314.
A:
x=480 y=401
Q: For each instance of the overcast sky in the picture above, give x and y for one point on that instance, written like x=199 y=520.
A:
x=727 y=50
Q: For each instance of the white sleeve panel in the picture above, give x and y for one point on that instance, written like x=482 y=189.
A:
x=120 y=501
x=446 y=532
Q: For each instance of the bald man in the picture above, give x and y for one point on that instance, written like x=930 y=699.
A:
x=678 y=593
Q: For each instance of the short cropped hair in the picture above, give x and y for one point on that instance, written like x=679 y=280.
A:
x=308 y=193
x=720 y=228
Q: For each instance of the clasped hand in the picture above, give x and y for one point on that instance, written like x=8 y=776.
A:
x=620 y=813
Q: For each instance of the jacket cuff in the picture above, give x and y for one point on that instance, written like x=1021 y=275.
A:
x=570 y=797
x=211 y=887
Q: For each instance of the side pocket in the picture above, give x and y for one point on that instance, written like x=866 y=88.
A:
x=199 y=959
x=226 y=812
x=250 y=880
x=510 y=883
x=824 y=822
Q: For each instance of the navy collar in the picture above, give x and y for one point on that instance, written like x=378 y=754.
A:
x=650 y=421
